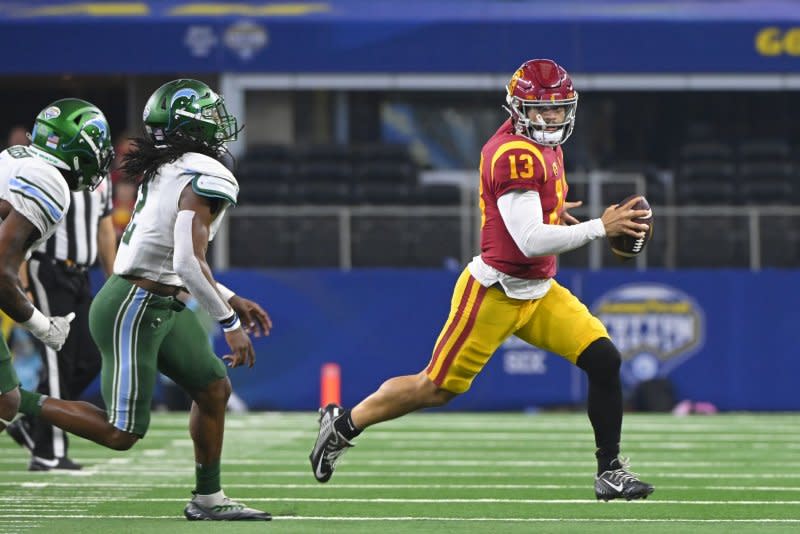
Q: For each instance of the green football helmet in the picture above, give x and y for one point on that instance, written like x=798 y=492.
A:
x=73 y=135
x=189 y=109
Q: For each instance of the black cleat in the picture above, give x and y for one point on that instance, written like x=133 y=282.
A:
x=55 y=464
x=330 y=444
x=229 y=510
x=620 y=483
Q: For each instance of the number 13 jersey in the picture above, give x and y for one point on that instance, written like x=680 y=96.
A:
x=513 y=162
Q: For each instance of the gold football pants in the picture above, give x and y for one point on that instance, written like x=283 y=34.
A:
x=482 y=318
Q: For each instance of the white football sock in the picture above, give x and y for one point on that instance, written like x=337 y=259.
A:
x=210 y=500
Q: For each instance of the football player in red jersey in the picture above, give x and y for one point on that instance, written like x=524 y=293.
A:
x=509 y=288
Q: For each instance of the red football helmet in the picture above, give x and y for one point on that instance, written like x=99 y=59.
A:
x=540 y=84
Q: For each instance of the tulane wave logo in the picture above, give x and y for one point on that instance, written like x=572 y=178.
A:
x=656 y=328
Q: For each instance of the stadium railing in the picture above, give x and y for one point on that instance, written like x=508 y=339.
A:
x=348 y=236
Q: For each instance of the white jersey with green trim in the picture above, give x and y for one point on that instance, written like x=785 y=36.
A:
x=35 y=189
x=147 y=245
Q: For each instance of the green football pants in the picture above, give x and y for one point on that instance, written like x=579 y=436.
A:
x=139 y=334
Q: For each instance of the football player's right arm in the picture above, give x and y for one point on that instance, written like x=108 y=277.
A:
x=16 y=234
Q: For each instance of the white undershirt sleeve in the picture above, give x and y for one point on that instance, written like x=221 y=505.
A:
x=522 y=214
x=188 y=268
x=225 y=293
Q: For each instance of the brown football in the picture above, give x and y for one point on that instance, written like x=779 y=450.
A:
x=626 y=246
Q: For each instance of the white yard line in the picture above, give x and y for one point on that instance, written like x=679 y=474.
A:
x=313 y=486
x=478 y=500
x=298 y=460
x=448 y=519
x=445 y=433
x=345 y=474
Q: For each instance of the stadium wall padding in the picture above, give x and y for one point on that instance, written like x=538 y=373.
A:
x=728 y=337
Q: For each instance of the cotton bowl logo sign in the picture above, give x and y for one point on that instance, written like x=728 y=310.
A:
x=654 y=326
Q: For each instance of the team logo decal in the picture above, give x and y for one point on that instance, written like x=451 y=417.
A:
x=100 y=124
x=512 y=83
x=655 y=327
x=190 y=94
x=52 y=112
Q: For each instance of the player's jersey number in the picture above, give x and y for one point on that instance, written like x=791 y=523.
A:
x=554 y=217
x=126 y=235
x=525 y=169
x=18 y=152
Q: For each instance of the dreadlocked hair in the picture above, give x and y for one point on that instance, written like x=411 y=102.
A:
x=143 y=161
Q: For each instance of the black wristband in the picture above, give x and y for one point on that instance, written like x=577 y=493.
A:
x=231 y=322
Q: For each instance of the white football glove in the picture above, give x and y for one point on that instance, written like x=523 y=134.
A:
x=56 y=333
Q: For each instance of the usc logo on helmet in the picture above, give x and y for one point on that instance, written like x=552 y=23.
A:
x=512 y=83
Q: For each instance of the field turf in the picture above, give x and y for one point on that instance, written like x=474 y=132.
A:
x=438 y=472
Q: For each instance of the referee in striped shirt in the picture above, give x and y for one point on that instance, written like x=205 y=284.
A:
x=57 y=278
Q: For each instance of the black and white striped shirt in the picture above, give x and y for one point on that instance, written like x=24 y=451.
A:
x=75 y=239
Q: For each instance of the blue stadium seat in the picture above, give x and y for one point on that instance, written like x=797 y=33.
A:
x=323 y=182
x=435 y=240
x=265 y=182
x=780 y=241
x=323 y=153
x=273 y=153
x=712 y=242
x=767 y=182
x=706 y=151
x=316 y=241
x=764 y=150
x=381 y=182
x=382 y=152
x=261 y=242
x=381 y=242
x=436 y=194
x=706 y=182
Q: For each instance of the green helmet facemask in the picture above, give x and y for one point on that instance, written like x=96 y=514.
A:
x=189 y=109
x=73 y=135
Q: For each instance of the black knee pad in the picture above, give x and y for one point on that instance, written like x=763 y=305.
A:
x=600 y=358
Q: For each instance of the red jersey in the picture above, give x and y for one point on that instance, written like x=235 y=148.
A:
x=509 y=162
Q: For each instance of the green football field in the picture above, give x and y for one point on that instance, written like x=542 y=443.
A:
x=428 y=473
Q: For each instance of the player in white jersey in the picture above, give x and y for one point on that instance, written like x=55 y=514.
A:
x=146 y=247
x=70 y=150
x=136 y=319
